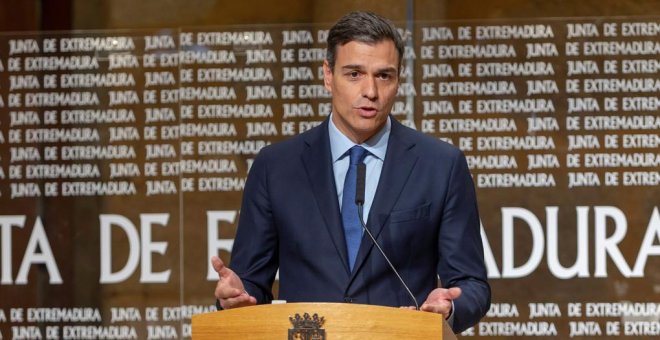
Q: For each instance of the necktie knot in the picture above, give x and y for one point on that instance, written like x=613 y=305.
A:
x=357 y=154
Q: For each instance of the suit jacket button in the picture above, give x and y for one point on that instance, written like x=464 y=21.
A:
x=348 y=299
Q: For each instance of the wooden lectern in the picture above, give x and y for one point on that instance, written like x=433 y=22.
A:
x=329 y=321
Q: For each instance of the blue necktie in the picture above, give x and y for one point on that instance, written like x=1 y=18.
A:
x=349 y=211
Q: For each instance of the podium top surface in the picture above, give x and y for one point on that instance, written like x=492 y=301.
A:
x=331 y=320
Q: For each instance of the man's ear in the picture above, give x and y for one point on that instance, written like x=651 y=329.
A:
x=327 y=76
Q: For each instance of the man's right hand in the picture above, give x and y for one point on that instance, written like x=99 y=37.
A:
x=230 y=290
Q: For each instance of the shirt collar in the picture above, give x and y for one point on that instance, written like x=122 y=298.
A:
x=376 y=145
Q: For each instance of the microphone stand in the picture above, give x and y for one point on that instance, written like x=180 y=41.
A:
x=359 y=200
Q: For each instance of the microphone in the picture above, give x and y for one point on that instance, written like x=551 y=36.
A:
x=359 y=201
x=359 y=184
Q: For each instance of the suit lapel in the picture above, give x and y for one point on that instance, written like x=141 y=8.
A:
x=318 y=165
x=398 y=165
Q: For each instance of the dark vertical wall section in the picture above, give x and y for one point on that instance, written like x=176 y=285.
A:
x=56 y=15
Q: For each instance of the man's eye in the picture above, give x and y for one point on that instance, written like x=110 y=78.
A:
x=386 y=76
x=354 y=74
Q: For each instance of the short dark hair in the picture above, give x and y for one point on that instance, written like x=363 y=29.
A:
x=364 y=27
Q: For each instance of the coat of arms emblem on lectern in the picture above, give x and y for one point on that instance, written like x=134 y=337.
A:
x=307 y=327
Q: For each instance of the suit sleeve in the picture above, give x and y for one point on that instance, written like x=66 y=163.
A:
x=255 y=251
x=461 y=251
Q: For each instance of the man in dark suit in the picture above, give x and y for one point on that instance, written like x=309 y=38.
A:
x=420 y=202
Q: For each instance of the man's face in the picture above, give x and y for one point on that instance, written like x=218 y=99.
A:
x=363 y=84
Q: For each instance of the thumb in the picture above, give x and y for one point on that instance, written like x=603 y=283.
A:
x=219 y=266
x=454 y=293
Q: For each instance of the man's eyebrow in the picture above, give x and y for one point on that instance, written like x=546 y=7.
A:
x=353 y=67
x=388 y=70
x=361 y=67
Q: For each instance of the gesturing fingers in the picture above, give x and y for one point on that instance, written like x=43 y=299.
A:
x=440 y=300
x=239 y=301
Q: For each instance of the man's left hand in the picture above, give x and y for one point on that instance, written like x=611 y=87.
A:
x=439 y=301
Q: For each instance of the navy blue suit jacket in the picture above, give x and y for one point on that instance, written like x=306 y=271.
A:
x=424 y=216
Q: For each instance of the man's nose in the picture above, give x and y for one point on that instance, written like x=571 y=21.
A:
x=370 y=88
